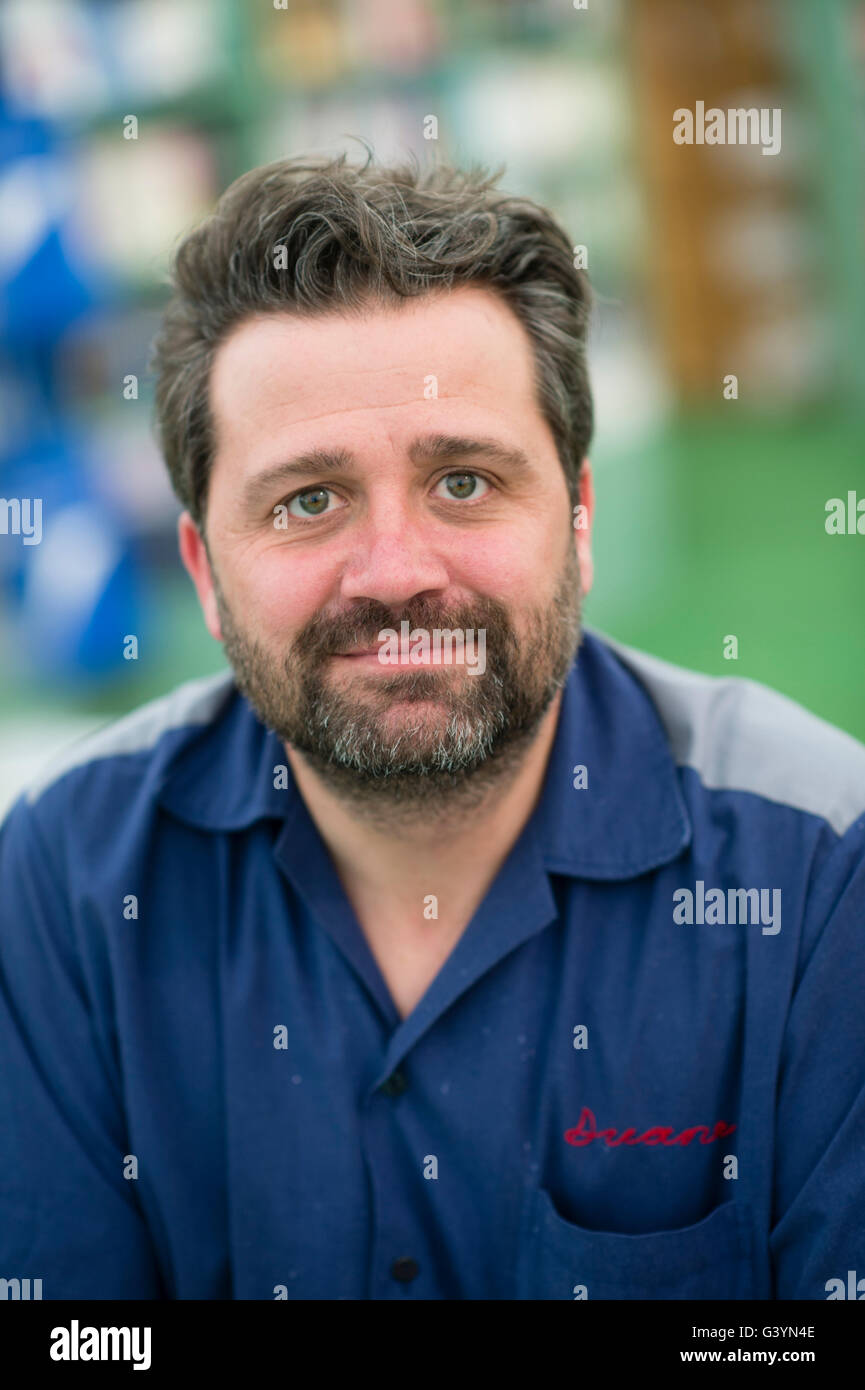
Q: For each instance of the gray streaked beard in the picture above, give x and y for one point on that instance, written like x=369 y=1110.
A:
x=426 y=766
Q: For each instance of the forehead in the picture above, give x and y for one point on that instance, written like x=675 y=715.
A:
x=281 y=370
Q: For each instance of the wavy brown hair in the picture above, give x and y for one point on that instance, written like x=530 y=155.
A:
x=355 y=233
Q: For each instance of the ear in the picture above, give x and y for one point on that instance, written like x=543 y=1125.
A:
x=584 y=515
x=193 y=553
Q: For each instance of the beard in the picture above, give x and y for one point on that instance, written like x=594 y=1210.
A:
x=417 y=737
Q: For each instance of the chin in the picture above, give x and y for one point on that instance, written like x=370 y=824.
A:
x=432 y=714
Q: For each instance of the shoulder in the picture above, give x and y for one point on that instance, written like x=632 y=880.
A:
x=740 y=735
x=92 y=811
x=146 y=738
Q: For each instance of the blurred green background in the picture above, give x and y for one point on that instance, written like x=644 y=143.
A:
x=706 y=261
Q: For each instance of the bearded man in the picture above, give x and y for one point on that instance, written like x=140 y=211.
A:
x=357 y=973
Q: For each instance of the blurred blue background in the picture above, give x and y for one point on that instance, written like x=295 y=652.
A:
x=706 y=261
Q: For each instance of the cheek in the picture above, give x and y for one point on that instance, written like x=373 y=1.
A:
x=280 y=592
x=518 y=572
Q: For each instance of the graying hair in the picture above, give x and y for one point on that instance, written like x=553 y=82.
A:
x=355 y=233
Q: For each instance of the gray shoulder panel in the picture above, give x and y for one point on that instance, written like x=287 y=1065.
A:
x=739 y=735
x=194 y=702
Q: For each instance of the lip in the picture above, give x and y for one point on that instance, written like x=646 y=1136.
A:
x=371 y=657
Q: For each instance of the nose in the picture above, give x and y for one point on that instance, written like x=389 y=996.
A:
x=393 y=560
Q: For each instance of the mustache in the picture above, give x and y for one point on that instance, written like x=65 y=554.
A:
x=326 y=634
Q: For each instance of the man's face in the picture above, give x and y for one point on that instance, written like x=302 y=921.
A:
x=374 y=470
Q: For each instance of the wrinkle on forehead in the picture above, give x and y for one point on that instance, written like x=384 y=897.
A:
x=469 y=340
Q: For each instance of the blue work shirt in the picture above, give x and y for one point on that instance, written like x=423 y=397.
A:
x=207 y=1091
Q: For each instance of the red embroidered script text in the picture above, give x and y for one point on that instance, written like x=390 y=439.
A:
x=587 y=1131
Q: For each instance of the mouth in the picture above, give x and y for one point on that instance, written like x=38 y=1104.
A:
x=371 y=657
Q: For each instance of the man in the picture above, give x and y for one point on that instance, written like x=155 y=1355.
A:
x=441 y=951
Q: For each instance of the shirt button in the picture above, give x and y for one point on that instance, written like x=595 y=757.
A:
x=394 y=1086
x=405 y=1269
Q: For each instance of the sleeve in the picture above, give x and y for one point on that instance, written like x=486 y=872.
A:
x=67 y=1214
x=818 y=1230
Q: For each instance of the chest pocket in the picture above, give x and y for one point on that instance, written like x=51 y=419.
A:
x=708 y=1260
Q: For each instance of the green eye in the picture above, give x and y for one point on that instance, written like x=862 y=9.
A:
x=313 y=503
x=462 y=485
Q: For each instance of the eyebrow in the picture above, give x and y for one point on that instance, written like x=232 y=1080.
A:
x=433 y=448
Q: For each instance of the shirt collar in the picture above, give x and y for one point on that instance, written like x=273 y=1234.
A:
x=628 y=818
x=611 y=805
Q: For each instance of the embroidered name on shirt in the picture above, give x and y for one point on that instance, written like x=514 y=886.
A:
x=587 y=1131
